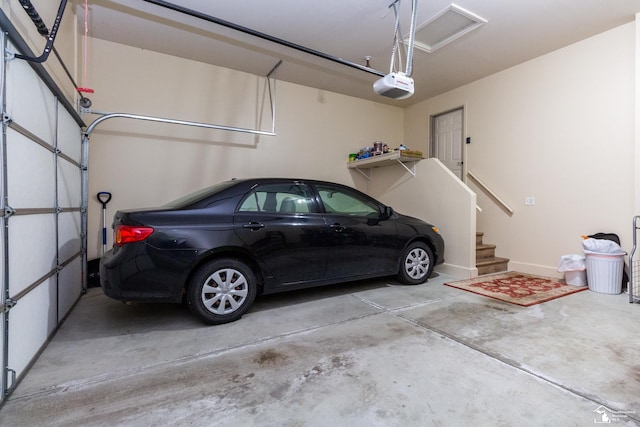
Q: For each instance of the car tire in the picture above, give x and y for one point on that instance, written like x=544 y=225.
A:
x=221 y=291
x=416 y=264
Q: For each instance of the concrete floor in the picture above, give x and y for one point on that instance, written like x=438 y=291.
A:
x=370 y=353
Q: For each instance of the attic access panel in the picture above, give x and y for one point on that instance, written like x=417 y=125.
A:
x=446 y=26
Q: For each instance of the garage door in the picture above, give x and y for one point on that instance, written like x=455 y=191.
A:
x=41 y=252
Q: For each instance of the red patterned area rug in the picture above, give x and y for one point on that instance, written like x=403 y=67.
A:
x=518 y=288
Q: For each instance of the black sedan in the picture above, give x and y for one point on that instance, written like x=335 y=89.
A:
x=221 y=246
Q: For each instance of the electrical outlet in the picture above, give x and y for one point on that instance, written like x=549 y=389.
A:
x=529 y=200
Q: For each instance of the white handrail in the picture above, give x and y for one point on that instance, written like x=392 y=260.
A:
x=490 y=193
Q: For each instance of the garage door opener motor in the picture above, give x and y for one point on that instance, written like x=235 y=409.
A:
x=398 y=84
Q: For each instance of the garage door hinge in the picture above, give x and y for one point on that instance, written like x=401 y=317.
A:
x=8 y=305
x=8 y=212
x=12 y=378
x=8 y=55
x=6 y=119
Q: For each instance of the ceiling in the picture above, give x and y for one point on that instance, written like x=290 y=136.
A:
x=516 y=31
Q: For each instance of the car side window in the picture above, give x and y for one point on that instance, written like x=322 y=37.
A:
x=286 y=198
x=341 y=201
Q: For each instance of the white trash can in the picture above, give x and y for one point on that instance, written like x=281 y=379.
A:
x=604 y=272
x=573 y=267
x=575 y=277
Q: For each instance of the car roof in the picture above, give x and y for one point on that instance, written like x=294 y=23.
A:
x=264 y=180
x=236 y=187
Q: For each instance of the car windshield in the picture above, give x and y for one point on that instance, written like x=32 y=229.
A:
x=199 y=195
x=345 y=202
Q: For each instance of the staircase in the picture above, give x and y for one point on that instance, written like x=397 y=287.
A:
x=486 y=260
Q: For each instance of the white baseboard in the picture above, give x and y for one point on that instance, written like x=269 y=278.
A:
x=522 y=267
x=539 y=270
x=457 y=271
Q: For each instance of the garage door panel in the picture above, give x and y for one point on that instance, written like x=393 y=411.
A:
x=31 y=322
x=69 y=187
x=68 y=235
x=30 y=173
x=29 y=101
x=41 y=186
x=2 y=300
x=69 y=135
x=69 y=286
x=32 y=254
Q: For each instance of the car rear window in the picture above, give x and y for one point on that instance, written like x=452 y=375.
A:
x=199 y=195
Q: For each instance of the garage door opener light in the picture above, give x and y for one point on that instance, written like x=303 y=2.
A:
x=397 y=84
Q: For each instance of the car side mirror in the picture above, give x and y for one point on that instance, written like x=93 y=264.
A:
x=386 y=212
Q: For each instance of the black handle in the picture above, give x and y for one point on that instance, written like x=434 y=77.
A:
x=253 y=225
x=104 y=197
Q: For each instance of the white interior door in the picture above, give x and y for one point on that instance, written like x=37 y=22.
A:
x=447 y=140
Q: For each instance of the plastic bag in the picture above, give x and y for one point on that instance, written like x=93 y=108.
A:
x=600 y=246
x=571 y=263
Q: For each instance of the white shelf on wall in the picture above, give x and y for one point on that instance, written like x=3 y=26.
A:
x=388 y=159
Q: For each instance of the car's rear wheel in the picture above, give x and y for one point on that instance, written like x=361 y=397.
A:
x=416 y=264
x=221 y=291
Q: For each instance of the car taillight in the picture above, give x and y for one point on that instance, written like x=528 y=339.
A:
x=130 y=233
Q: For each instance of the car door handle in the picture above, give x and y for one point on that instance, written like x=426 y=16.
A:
x=254 y=225
x=338 y=228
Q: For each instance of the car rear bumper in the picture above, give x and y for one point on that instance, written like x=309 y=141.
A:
x=138 y=272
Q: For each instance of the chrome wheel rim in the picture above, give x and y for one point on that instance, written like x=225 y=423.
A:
x=416 y=264
x=224 y=291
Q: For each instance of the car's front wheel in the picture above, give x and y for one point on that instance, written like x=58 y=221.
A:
x=416 y=264
x=221 y=291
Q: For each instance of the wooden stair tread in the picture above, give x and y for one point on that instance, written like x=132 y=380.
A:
x=485 y=246
x=492 y=265
x=486 y=260
x=489 y=261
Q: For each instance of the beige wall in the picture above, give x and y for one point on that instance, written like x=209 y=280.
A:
x=559 y=128
x=435 y=195
x=148 y=164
